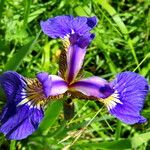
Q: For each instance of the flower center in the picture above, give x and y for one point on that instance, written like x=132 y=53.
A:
x=111 y=101
x=33 y=94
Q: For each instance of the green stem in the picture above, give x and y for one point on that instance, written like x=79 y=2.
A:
x=133 y=53
x=118 y=130
x=26 y=11
x=13 y=145
x=46 y=57
x=112 y=12
x=83 y=129
x=1 y=7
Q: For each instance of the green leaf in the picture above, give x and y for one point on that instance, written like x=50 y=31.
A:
x=27 y=4
x=51 y=115
x=14 y=62
x=13 y=145
x=138 y=140
x=35 y=14
x=112 y=12
x=110 y=62
x=1 y=7
x=113 y=145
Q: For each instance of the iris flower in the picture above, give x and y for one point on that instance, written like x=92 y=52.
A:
x=27 y=97
x=124 y=96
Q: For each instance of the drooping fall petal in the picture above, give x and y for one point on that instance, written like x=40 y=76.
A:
x=18 y=122
x=24 y=108
x=75 y=58
x=126 y=103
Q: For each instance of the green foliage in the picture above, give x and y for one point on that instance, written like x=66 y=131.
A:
x=122 y=43
x=51 y=115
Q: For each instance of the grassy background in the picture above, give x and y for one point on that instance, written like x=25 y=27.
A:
x=122 y=43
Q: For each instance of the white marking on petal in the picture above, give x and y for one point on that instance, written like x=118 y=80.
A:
x=38 y=106
x=29 y=103
x=112 y=100
x=66 y=37
x=72 y=31
x=32 y=95
x=23 y=91
x=23 y=102
x=31 y=106
x=23 y=96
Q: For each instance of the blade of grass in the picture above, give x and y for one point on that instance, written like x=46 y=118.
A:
x=26 y=11
x=14 y=62
x=118 y=130
x=79 y=112
x=13 y=145
x=112 y=12
x=51 y=115
x=110 y=63
x=82 y=130
x=32 y=16
x=146 y=57
x=109 y=145
x=1 y=8
x=46 y=57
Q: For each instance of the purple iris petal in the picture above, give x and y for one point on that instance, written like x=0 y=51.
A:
x=85 y=40
x=75 y=58
x=23 y=111
x=132 y=90
x=81 y=41
x=91 y=22
x=76 y=35
x=46 y=81
x=93 y=86
x=61 y=26
x=19 y=122
x=12 y=83
x=59 y=86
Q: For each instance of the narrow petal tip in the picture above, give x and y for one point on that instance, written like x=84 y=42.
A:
x=91 y=22
x=53 y=85
x=142 y=120
x=59 y=86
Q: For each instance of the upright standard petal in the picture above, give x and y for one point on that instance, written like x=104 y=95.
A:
x=76 y=36
x=92 y=87
x=128 y=99
x=80 y=41
x=62 y=26
x=72 y=57
x=23 y=111
x=75 y=58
